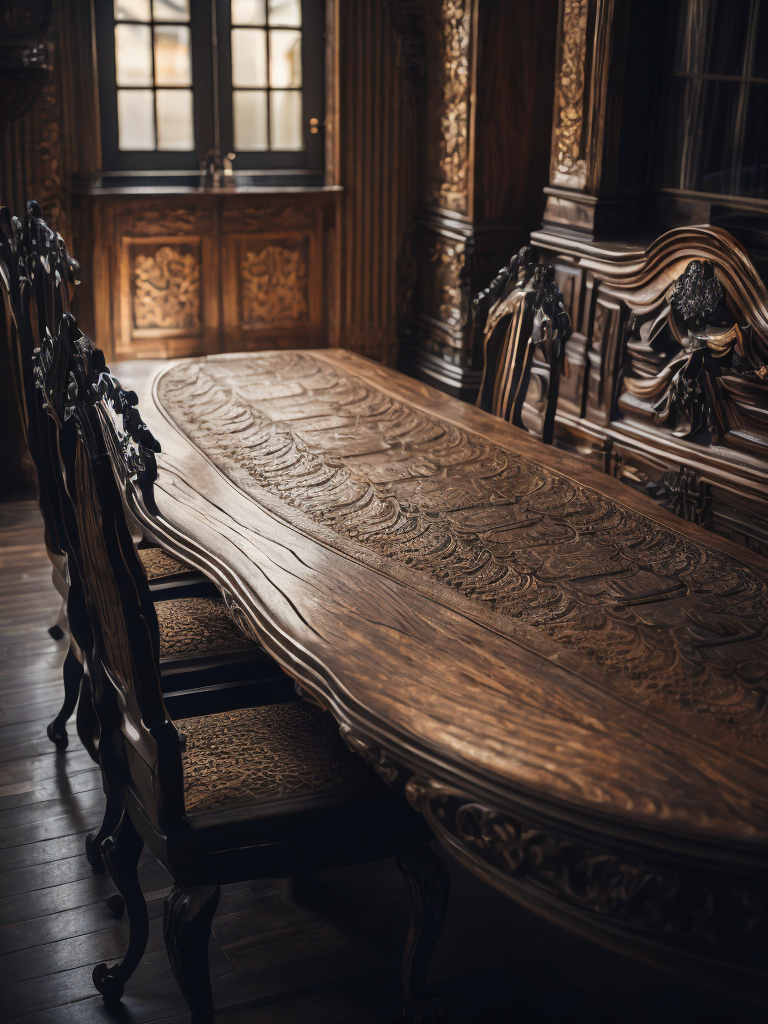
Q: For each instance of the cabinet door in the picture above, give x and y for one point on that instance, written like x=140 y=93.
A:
x=167 y=270
x=272 y=275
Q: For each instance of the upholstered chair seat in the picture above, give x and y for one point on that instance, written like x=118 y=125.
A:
x=262 y=784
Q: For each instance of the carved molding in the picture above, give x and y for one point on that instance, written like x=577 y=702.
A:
x=160 y=221
x=274 y=284
x=569 y=165
x=269 y=217
x=166 y=286
x=719 y=915
x=653 y=614
x=449 y=113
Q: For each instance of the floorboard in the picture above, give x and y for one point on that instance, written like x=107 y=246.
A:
x=328 y=956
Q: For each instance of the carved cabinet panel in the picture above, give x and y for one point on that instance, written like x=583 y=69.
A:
x=272 y=277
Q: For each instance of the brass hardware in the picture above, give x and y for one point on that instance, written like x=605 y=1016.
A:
x=314 y=125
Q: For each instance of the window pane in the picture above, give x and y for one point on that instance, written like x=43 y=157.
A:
x=285 y=12
x=135 y=119
x=249 y=56
x=132 y=10
x=133 y=54
x=175 y=125
x=249 y=111
x=286 y=111
x=172 y=55
x=249 y=12
x=284 y=57
x=170 y=10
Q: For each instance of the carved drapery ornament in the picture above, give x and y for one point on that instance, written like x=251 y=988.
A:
x=701 y=344
x=569 y=164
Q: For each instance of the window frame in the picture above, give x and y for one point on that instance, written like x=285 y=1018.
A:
x=202 y=12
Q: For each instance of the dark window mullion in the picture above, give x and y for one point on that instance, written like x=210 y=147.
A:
x=269 y=80
x=154 y=77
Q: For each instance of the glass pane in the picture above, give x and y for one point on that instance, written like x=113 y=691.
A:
x=249 y=56
x=172 y=55
x=249 y=111
x=135 y=119
x=132 y=10
x=133 y=54
x=754 y=171
x=170 y=10
x=175 y=125
x=249 y=12
x=760 y=59
x=285 y=12
x=730 y=23
x=286 y=111
x=284 y=57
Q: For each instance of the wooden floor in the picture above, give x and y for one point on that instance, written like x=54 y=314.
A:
x=330 y=957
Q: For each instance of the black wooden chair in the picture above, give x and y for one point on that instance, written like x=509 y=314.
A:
x=262 y=791
x=38 y=276
x=522 y=325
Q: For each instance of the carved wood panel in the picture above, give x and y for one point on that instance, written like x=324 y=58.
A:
x=274 y=282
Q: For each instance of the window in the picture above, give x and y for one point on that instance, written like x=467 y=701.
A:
x=181 y=78
x=715 y=137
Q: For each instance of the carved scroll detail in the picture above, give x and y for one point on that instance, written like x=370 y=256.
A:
x=166 y=287
x=569 y=165
x=652 y=613
x=273 y=283
x=719 y=913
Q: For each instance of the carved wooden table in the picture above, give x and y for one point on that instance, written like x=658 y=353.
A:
x=570 y=683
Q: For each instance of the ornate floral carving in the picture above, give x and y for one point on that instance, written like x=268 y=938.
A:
x=569 y=165
x=715 y=912
x=682 y=492
x=539 y=557
x=166 y=286
x=273 y=285
x=450 y=188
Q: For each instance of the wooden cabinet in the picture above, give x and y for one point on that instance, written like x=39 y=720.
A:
x=192 y=273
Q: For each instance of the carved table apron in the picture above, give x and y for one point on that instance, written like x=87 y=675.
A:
x=569 y=682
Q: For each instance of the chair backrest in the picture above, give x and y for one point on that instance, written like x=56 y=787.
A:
x=522 y=311
x=138 y=740
x=37 y=280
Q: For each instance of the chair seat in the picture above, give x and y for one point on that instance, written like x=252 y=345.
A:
x=198 y=627
x=158 y=564
x=268 y=755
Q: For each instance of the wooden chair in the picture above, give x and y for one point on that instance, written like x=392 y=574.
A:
x=38 y=278
x=263 y=791
x=521 y=314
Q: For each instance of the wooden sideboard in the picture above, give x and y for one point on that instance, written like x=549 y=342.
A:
x=195 y=271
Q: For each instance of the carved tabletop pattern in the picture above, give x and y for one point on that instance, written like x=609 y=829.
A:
x=634 y=605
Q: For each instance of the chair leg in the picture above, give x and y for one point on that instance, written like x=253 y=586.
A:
x=95 y=841
x=56 y=631
x=429 y=884
x=87 y=721
x=187 y=927
x=121 y=853
x=73 y=673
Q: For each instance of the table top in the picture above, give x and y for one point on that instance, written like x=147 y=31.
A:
x=457 y=590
